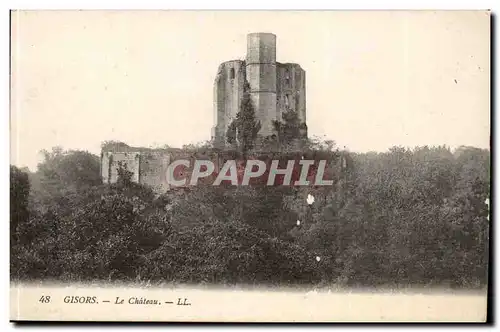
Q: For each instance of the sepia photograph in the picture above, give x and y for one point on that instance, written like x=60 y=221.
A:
x=250 y=166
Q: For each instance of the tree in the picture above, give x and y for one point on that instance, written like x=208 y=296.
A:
x=114 y=146
x=71 y=168
x=405 y=216
x=231 y=133
x=66 y=171
x=244 y=128
x=124 y=175
x=19 y=194
x=290 y=129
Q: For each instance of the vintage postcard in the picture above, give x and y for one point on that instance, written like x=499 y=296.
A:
x=250 y=166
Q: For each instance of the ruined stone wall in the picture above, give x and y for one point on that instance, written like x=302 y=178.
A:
x=153 y=170
x=291 y=89
x=105 y=166
x=149 y=166
x=228 y=92
x=110 y=163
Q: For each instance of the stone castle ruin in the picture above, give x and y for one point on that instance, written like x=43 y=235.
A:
x=274 y=88
x=147 y=166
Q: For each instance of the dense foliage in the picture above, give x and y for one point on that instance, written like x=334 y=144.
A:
x=395 y=218
x=243 y=130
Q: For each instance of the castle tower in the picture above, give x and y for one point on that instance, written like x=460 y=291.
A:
x=275 y=88
x=261 y=76
x=228 y=93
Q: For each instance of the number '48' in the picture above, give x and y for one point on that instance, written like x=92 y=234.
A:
x=44 y=299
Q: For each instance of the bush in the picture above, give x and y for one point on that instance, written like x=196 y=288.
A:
x=396 y=218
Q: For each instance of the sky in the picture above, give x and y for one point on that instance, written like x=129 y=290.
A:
x=373 y=79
